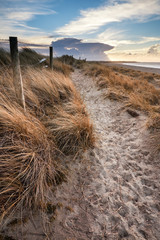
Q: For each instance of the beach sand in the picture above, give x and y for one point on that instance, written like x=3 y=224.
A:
x=112 y=190
x=142 y=69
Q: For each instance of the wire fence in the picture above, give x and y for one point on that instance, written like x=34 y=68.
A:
x=39 y=48
x=22 y=44
x=7 y=66
x=25 y=42
x=13 y=45
x=5 y=44
x=3 y=39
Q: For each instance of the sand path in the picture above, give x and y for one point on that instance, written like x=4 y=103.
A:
x=115 y=195
x=113 y=192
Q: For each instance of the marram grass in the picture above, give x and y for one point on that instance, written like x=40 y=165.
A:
x=55 y=122
x=133 y=87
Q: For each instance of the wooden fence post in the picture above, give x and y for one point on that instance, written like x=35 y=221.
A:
x=17 y=77
x=51 y=57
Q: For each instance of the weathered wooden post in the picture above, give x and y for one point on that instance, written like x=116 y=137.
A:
x=51 y=57
x=17 y=77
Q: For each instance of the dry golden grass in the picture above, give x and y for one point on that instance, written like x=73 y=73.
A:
x=29 y=57
x=135 y=73
x=27 y=163
x=71 y=130
x=55 y=122
x=61 y=67
x=61 y=110
x=138 y=93
x=136 y=89
x=4 y=57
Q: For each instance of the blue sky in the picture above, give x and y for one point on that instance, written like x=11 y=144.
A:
x=131 y=26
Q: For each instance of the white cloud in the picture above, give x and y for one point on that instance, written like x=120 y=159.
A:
x=15 y=14
x=118 y=38
x=113 y=37
x=93 y=19
x=109 y=35
x=146 y=54
x=154 y=50
x=149 y=39
x=24 y=14
x=20 y=16
x=141 y=56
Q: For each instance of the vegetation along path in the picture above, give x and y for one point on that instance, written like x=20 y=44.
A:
x=112 y=192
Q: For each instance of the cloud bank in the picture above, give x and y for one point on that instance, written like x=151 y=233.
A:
x=79 y=49
x=155 y=49
x=148 y=54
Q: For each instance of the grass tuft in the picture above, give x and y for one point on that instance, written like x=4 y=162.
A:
x=136 y=89
x=27 y=163
x=129 y=85
x=55 y=121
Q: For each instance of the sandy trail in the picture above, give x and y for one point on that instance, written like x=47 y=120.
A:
x=123 y=187
x=113 y=192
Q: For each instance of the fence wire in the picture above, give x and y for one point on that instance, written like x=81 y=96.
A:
x=23 y=65
x=22 y=44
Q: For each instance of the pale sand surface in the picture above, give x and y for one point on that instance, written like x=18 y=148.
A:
x=113 y=190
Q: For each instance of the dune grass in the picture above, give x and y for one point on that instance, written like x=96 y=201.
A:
x=29 y=57
x=135 y=89
x=138 y=93
x=4 y=57
x=55 y=123
x=61 y=109
x=27 y=164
